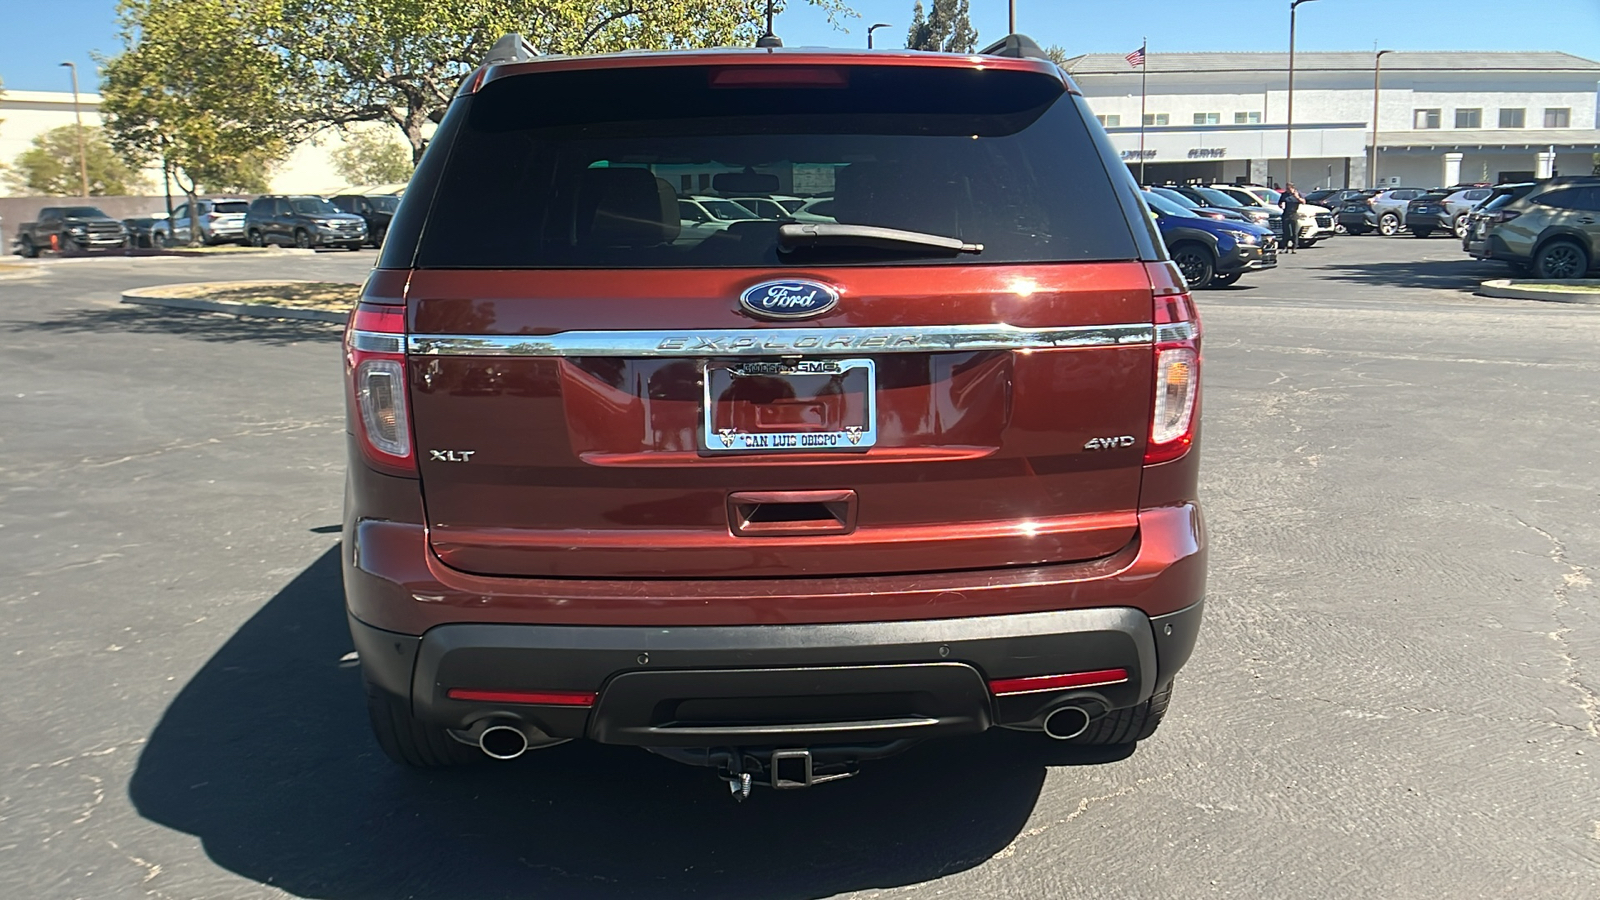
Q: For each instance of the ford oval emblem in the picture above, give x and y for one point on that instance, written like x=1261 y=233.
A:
x=788 y=299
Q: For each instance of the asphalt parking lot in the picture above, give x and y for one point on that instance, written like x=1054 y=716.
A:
x=1395 y=693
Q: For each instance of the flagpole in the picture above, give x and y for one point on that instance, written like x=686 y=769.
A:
x=1144 y=69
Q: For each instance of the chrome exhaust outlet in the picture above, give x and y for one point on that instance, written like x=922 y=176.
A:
x=503 y=741
x=1066 y=722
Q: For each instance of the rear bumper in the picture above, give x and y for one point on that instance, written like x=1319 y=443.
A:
x=778 y=685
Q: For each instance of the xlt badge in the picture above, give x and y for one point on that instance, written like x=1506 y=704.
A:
x=451 y=455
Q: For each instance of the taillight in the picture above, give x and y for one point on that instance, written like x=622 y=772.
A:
x=375 y=364
x=1506 y=215
x=1177 y=383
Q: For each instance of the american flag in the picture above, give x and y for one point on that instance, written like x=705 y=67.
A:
x=1136 y=58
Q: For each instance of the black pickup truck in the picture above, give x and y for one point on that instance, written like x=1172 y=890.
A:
x=69 y=228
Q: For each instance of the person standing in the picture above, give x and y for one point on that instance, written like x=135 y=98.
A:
x=1290 y=202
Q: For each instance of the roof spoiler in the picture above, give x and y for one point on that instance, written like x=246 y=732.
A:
x=513 y=48
x=1016 y=46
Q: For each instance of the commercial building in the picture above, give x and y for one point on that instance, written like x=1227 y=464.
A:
x=27 y=114
x=1443 y=118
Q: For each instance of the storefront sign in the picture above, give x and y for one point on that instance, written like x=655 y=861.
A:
x=1138 y=154
x=1208 y=153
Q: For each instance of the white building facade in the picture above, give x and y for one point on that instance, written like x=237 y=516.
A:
x=1442 y=118
x=26 y=114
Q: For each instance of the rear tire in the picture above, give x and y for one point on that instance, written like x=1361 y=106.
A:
x=1460 y=226
x=410 y=742
x=1221 y=280
x=29 y=251
x=1388 y=224
x=302 y=239
x=1422 y=232
x=1196 y=263
x=1308 y=243
x=1128 y=726
x=1560 y=259
x=255 y=239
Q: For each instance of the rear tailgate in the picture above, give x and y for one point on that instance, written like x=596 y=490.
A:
x=552 y=458
x=591 y=398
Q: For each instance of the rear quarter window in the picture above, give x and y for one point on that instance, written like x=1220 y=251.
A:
x=592 y=168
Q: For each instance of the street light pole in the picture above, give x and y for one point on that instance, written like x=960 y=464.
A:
x=1288 y=150
x=871 y=29
x=1011 y=27
x=1377 y=73
x=83 y=149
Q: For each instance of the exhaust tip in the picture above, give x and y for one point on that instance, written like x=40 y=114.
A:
x=503 y=742
x=1066 y=722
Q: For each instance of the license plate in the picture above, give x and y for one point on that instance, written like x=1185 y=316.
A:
x=789 y=405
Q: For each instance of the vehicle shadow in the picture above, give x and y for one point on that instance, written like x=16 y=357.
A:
x=218 y=327
x=266 y=757
x=1464 y=274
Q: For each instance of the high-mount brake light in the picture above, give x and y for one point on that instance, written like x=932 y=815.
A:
x=375 y=365
x=765 y=76
x=1177 y=377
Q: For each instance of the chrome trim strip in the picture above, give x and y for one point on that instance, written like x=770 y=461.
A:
x=377 y=342
x=781 y=341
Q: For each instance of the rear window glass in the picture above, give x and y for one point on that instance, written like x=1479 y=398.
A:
x=608 y=168
x=230 y=206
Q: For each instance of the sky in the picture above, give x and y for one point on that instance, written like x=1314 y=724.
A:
x=37 y=35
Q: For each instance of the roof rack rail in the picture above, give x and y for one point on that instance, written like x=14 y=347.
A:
x=512 y=48
x=1017 y=46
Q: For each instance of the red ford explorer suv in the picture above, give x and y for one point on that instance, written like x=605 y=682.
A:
x=791 y=494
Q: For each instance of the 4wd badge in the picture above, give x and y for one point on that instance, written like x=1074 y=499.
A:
x=1110 y=443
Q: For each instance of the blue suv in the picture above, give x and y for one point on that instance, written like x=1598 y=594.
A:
x=1211 y=252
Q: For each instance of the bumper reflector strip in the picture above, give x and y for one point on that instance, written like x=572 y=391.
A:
x=1008 y=686
x=540 y=698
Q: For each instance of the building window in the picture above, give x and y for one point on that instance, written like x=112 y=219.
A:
x=1247 y=118
x=1513 y=118
x=1110 y=121
x=1425 y=118
x=1156 y=119
x=1469 y=118
x=1208 y=118
x=1558 y=118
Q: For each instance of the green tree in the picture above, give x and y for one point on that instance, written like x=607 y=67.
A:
x=1057 y=54
x=368 y=158
x=400 y=61
x=198 y=89
x=50 y=166
x=946 y=27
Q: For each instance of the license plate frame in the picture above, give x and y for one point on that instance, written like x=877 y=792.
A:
x=719 y=374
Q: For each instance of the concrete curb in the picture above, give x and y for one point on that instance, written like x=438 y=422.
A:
x=151 y=296
x=177 y=253
x=1510 y=289
x=17 y=274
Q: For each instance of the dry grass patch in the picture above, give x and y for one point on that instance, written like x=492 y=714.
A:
x=329 y=295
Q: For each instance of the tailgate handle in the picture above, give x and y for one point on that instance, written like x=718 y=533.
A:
x=786 y=513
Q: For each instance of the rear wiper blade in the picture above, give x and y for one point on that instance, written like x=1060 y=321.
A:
x=807 y=235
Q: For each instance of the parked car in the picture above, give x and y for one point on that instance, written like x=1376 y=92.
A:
x=773 y=207
x=1477 y=236
x=1426 y=214
x=66 y=229
x=1459 y=203
x=377 y=210
x=1389 y=208
x=302 y=221
x=1247 y=197
x=774 y=502
x=1334 y=199
x=1552 y=231
x=220 y=221
x=1215 y=199
x=141 y=230
x=1356 y=215
x=1211 y=253
x=1198 y=208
